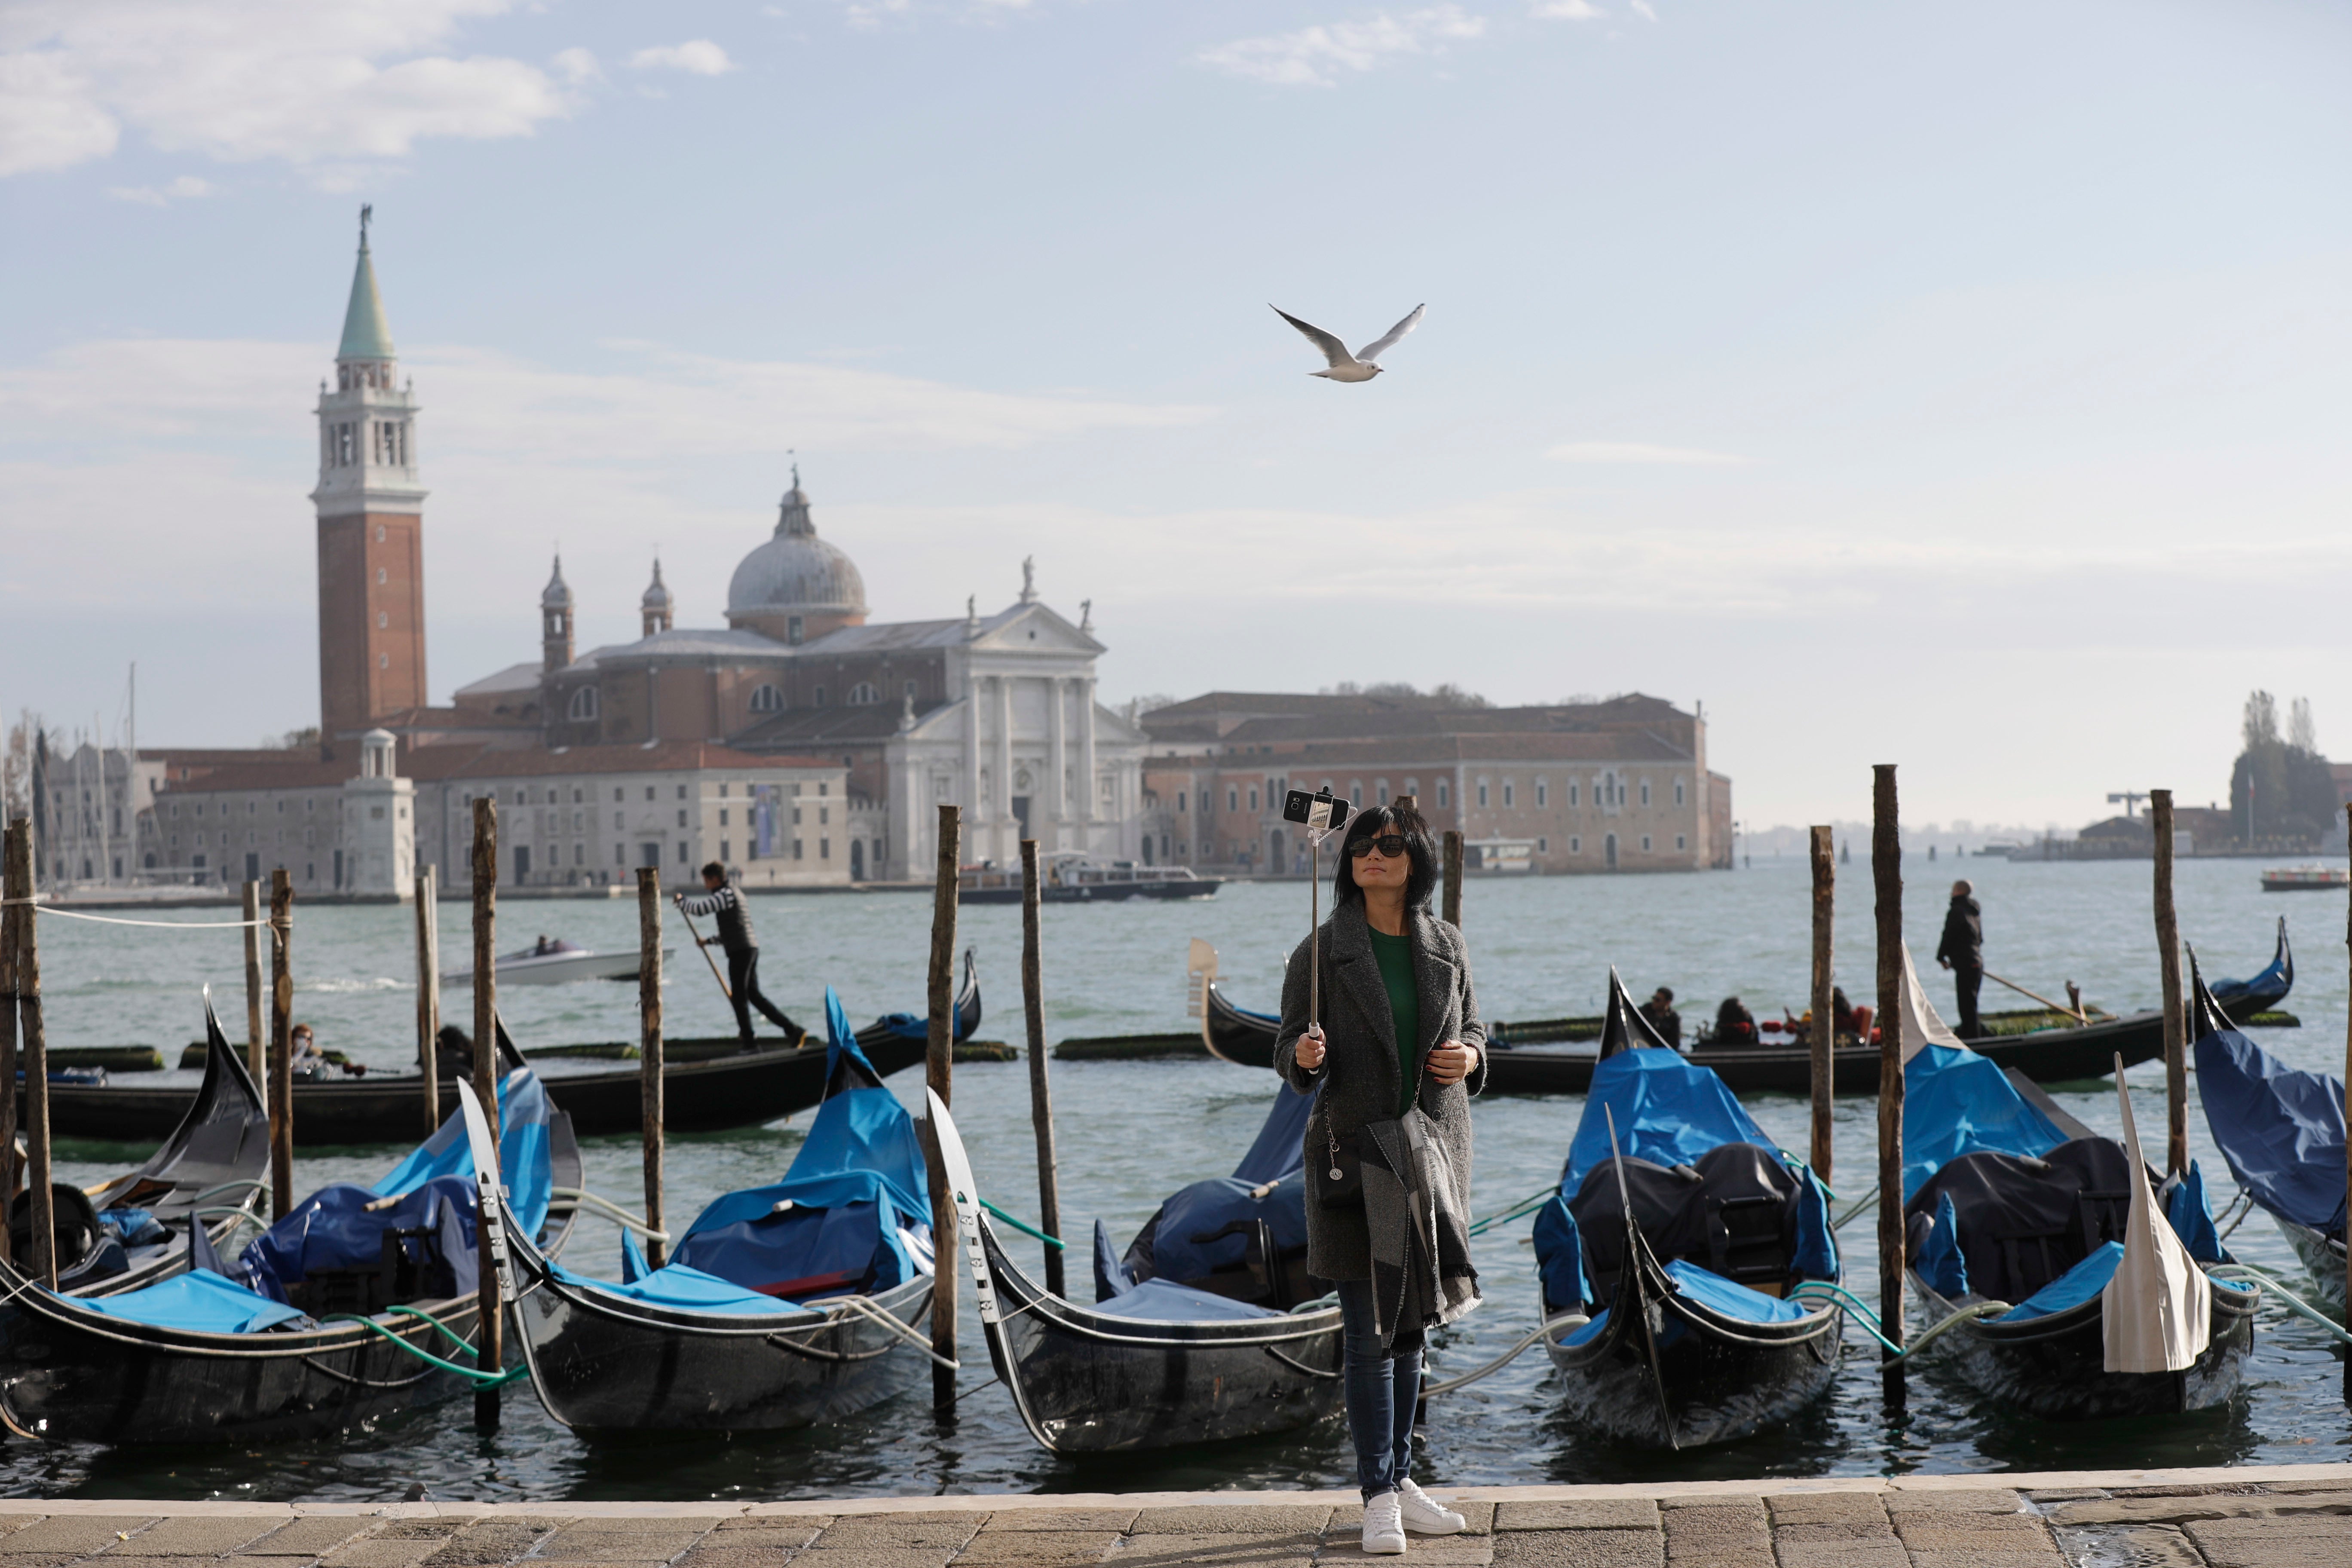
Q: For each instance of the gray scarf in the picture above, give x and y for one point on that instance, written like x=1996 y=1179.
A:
x=1422 y=1275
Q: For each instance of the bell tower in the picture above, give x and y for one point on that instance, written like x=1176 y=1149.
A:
x=370 y=525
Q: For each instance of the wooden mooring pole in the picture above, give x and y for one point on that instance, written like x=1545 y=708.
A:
x=649 y=1048
x=2168 y=953
x=14 y=885
x=1822 y=1041
x=490 y=1341
x=256 y=1059
x=429 y=994
x=2347 y=1121
x=1886 y=874
x=939 y=1073
x=1450 y=901
x=281 y=1044
x=1041 y=1093
x=42 y=1266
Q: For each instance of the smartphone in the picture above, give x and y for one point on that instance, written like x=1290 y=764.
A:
x=1321 y=812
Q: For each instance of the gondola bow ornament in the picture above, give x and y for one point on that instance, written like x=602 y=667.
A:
x=2158 y=1308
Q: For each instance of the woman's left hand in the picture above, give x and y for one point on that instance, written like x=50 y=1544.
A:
x=1450 y=1063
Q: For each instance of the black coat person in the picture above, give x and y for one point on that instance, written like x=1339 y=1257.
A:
x=1660 y=1012
x=1963 y=952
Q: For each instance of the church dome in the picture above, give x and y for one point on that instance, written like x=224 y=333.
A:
x=796 y=576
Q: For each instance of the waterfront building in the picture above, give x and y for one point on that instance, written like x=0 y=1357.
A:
x=1620 y=785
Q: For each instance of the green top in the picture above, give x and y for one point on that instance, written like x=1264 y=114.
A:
x=1395 y=956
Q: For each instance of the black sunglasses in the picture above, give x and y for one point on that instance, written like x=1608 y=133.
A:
x=1392 y=845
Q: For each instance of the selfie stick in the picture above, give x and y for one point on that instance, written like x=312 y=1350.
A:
x=1319 y=815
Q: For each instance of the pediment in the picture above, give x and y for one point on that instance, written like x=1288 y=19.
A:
x=1035 y=628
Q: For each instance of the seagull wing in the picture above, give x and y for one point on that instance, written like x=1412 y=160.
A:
x=1333 y=348
x=1375 y=349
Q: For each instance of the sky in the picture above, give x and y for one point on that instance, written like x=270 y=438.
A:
x=1961 y=388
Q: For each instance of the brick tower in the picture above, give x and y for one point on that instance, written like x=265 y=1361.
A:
x=370 y=527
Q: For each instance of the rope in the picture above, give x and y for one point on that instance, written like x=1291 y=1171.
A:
x=1525 y=1205
x=1853 y=1306
x=2294 y=1302
x=865 y=1304
x=1861 y=1206
x=609 y=1210
x=1566 y=1321
x=48 y=909
x=2240 y=1207
x=478 y=1378
x=1055 y=1242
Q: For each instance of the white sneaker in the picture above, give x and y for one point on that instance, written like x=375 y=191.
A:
x=1383 y=1526
x=1424 y=1515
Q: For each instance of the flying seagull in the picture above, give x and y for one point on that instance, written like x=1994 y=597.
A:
x=1346 y=366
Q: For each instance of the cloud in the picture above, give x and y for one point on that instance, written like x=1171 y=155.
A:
x=1572 y=10
x=307 y=83
x=578 y=67
x=696 y=57
x=1635 y=452
x=187 y=187
x=1314 y=57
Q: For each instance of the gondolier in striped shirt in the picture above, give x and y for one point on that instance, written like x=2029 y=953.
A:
x=742 y=951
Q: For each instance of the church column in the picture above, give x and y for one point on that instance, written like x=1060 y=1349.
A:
x=1008 y=826
x=1058 y=758
x=1089 y=792
x=971 y=687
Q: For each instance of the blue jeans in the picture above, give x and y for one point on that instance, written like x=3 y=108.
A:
x=1383 y=1391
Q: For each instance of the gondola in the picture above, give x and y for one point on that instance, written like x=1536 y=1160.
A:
x=1165 y=1363
x=746 y=1089
x=133 y=1231
x=2282 y=1130
x=785 y=1306
x=318 y=1327
x=2030 y=1220
x=1711 y=1344
x=2047 y=1055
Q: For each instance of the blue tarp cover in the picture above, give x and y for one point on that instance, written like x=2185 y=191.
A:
x=1280 y=1146
x=334 y=1229
x=2071 y=1288
x=1668 y=1111
x=833 y=1225
x=1725 y=1297
x=684 y=1289
x=1275 y=1154
x=523 y=1162
x=1941 y=1262
x=2281 y=1128
x=2192 y=1217
x=1956 y=1102
x=200 y=1302
x=1166 y=1301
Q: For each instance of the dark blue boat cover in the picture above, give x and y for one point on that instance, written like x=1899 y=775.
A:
x=336 y=1228
x=1276 y=1156
x=1956 y=1102
x=1166 y=1301
x=1670 y=1112
x=523 y=1160
x=851 y=1216
x=2281 y=1128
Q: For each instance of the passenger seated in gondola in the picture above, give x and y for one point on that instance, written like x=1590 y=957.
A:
x=308 y=1061
x=1734 y=1024
x=453 y=1052
x=1660 y=1012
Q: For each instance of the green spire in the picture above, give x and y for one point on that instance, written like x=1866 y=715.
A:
x=366 y=335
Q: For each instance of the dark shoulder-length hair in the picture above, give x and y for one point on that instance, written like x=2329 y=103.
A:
x=1372 y=823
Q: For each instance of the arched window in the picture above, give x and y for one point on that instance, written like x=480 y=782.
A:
x=864 y=695
x=584 y=704
x=767 y=700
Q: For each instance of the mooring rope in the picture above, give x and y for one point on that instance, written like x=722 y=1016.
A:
x=49 y=908
x=2269 y=1281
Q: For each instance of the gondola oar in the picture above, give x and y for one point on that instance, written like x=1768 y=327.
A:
x=1637 y=1253
x=704 y=949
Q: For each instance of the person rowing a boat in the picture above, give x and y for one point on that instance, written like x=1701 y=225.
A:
x=721 y=897
x=1400 y=1046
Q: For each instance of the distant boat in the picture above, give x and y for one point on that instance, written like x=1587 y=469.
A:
x=2306 y=879
x=1070 y=877
x=557 y=963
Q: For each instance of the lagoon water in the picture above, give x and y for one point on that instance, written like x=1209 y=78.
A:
x=1131 y=1133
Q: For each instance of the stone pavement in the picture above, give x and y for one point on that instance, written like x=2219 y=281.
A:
x=2281 y=1517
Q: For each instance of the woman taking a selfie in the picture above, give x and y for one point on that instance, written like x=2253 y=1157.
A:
x=1398 y=1042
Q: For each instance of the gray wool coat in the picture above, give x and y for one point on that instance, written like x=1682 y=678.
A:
x=1359 y=1078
